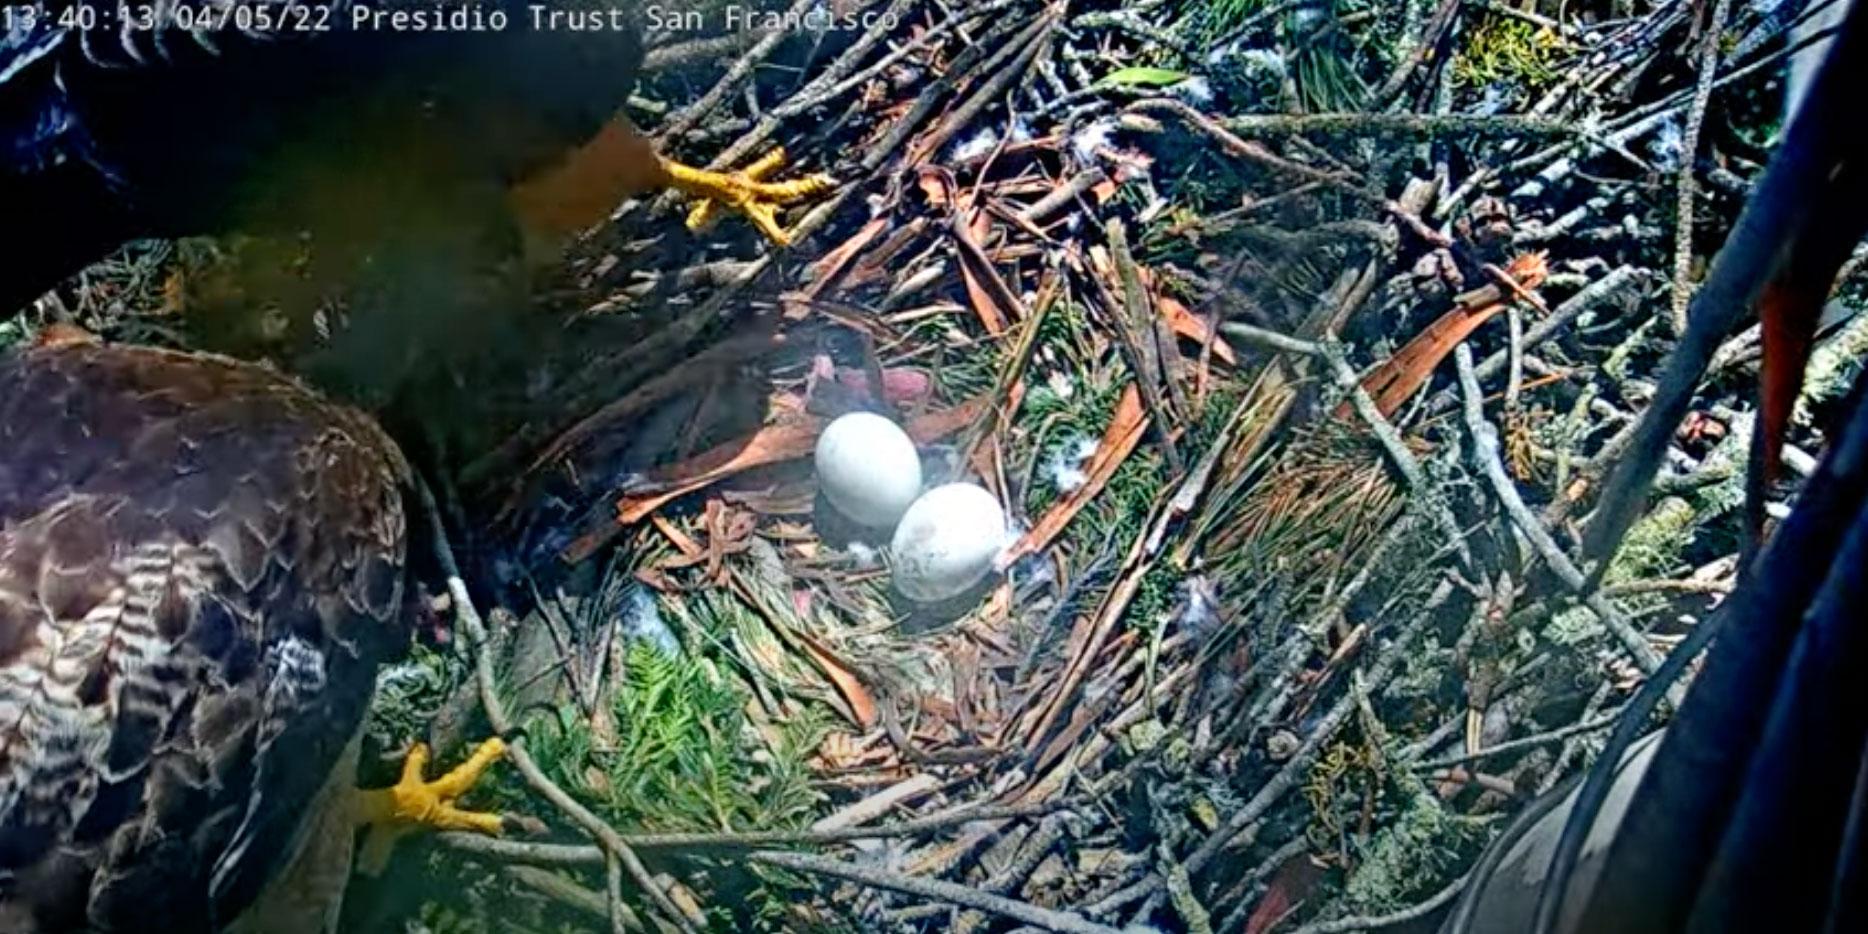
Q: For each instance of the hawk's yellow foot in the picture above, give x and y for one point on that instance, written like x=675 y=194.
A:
x=414 y=803
x=746 y=192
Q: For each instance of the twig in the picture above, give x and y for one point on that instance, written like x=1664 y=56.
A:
x=613 y=892
x=1048 y=834
x=1514 y=349
x=936 y=889
x=560 y=889
x=1022 y=52
x=469 y=619
x=1384 y=431
x=1131 y=312
x=1252 y=885
x=1485 y=455
x=962 y=67
x=561 y=854
x=830 y=83
x=1622 y=131
x=1371 y=922
x=1668 y=586
x=1591 y=296
x=1181 y=894
x=1125 y=20
x=1689 y=147
x=1573 y=746
x=1247 y=149
x=1061 y=196
x=1790 y=194
x=1530 y=16
x=1430 y=35
x=686 y=119
x=1288 y=775
x=1270 y=340
x=711 y=49
x=1417 y=126
x=1525 y=742
x=811 y=97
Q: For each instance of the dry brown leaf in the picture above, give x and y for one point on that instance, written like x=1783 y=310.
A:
x=986 y=290
x=1397 y=379
x=933 y=426
x=937 y=184
x=687 y=546
x=831 y=265
x=696 y=371
x=839 y=752
x=1194 y=328
x=1290 y=888
x=981 y=301
x=862 y=704
x=787 y=499
x=1124 y=433
x=773 y=444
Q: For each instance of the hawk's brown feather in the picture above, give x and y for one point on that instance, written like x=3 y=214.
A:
x=201 y=567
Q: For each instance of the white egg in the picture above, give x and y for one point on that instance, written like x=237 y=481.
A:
x=868 y=468
x=947 y=541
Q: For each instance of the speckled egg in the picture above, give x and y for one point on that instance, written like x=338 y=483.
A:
x=868 y=469
x=947 y=541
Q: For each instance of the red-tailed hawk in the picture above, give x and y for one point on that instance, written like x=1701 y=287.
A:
x=202 y=565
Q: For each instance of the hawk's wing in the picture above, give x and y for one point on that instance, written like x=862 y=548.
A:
x=164 y=118
x=201 y=566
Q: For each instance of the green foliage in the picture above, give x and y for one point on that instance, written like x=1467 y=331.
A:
x=1658 y=545
x=1655 y=544
x=964 y=372
x=1835 y=365
x=677 y=745
x=1223 y=398
x=1158 y=593
x=675 y=749
x=1064 y=334
x=1573 y=626
x=1123 y=503
x=1507 y=50
x=1413 y=855
x=1143 y=77
x=683 y=754
x=1325 y=73
x=1084 y=412
x=1318 y=56
x=1123 y=506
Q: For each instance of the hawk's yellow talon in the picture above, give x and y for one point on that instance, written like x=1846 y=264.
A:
x=706 y=211
x=414 y=803
x=746 y=192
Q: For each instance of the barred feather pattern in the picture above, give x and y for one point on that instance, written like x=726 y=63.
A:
x=201 y=567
